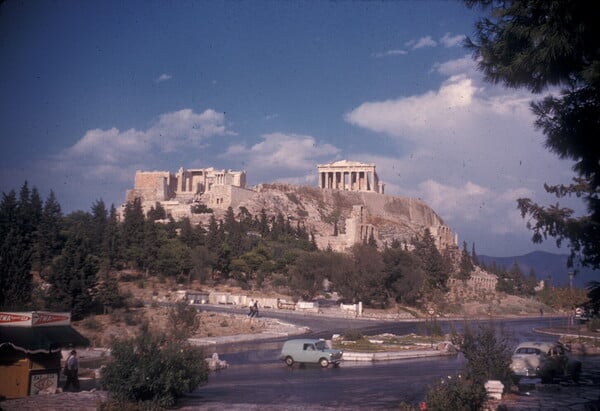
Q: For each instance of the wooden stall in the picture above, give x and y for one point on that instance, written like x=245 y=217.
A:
x=30 y=346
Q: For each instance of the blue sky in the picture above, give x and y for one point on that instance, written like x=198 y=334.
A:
x=90 y=92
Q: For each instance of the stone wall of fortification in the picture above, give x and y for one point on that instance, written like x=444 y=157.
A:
x=224 y=196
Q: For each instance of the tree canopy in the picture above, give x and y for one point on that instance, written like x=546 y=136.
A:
x=541 y=45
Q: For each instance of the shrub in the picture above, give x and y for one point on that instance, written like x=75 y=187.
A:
x=594 y=324
x=456 y=393
x=184 y=321
x=92 y=323
x=150 y=368
x=353 y=335
x=131 y=318
x=488 y=358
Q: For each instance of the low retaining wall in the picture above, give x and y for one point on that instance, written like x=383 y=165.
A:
x=392 y=355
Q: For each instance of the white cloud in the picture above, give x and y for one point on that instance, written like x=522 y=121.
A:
x=283 y=152
x=163 y=77
x=449 y=40
x=423 y=42
x=185 y=128
x=395 y=52
x=463 y=65
x=468 y=149
x=113 y=154
x=426 y=113
x=473 y=205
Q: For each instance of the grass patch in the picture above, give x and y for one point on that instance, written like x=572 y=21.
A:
x=387 y=342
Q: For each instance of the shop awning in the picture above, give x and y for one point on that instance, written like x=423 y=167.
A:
x=34 y=340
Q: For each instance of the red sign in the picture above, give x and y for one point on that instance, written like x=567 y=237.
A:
x=14 y=318
x=46 y=318
x=34 y=319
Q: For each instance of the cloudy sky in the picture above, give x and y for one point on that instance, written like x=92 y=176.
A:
x=90 y=92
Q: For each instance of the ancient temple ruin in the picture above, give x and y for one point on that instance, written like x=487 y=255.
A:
x=177 y=191
x=349 y=175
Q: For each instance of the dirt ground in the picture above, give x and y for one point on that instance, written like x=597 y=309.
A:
x=124 y=323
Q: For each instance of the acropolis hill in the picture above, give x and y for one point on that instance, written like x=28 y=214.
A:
x=349 y=202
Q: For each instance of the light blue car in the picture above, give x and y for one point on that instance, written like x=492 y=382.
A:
x=307 y=350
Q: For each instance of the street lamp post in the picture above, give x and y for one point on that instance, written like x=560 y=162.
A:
x=572 y=316
x=431 y=313
x=571 y=275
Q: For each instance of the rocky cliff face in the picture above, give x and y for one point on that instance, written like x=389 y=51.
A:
x=353 y=216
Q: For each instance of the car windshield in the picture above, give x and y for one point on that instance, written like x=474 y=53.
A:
x=321 y=345
x=528 y=350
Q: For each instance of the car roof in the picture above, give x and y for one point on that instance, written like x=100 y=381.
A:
x=304 y=340
x=541 y=345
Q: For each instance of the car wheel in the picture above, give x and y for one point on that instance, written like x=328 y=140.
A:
x=289 y=361
x=324 y=362
x=548 y=377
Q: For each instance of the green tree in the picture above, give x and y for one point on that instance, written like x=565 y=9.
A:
x=49 y=241
x=540 y=44
x=487 y=352
x=364 y=278
x=183 y=322
x=518 y=278
x=466 y=264
x=433 y=263
x=474 y=256
x=174 y=259
x=106 y=292
x=202 y=264
x=403 y=275
x=263 y=224
x=308 y=273
x=72 y=276
x=155 y=238
x=157 y=212
x=192 y=236
x=133 y=233
x=111 y=248
x=19 y=222
x=99 y=226
x=487 y=357
x=593 y=288
x=151 y=368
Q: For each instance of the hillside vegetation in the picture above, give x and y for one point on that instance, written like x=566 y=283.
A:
x=80 y=262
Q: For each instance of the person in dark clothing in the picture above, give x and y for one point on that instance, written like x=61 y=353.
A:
x=72 y=371
x=253 y=310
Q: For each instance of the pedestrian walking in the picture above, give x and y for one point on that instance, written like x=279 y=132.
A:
x=72 y=372
x=253 y=310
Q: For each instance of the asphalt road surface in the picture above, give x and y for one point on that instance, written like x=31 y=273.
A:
x=255 y=375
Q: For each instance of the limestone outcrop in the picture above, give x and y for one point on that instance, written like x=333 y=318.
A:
x=340 y=219
x=348 y=209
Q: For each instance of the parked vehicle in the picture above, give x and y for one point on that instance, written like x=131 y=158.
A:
x=581 y=315
x=309 y=351
x=544 y=360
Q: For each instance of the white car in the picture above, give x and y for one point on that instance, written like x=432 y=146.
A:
x=545 y=360
x=306 y=350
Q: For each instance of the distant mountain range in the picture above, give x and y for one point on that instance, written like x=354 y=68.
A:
x=547 y=266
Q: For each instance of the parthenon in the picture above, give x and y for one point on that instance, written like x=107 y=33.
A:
x=349 y=175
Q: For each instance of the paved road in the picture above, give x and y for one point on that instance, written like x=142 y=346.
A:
x=256 y=379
